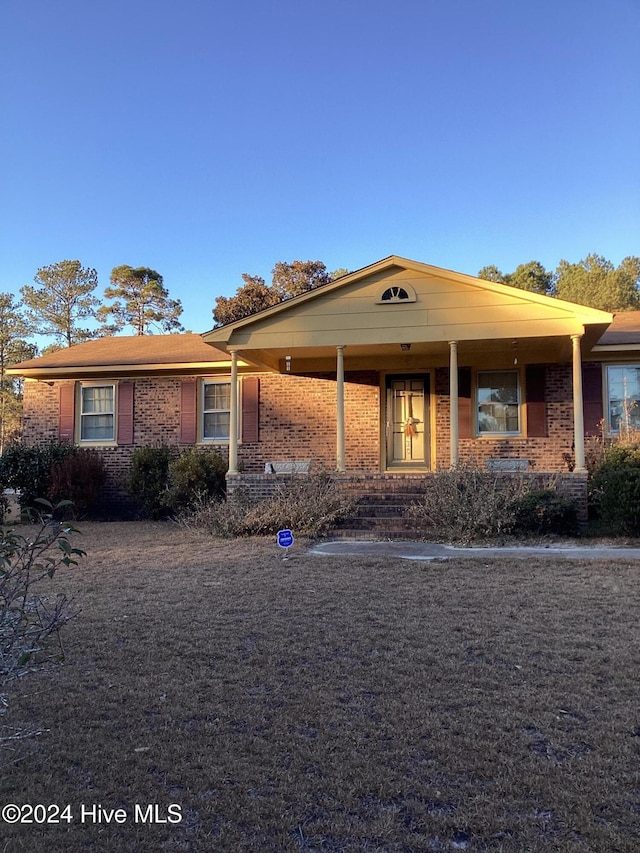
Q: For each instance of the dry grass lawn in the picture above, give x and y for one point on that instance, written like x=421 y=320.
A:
x=331 y=703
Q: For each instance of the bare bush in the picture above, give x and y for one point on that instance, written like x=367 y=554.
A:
x=468 y=502
x=309 y=505
x=30 y=621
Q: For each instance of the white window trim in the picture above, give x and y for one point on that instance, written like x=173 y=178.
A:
x=607 y=395
x=498 y=433
x=215 y=380
x=100 y=442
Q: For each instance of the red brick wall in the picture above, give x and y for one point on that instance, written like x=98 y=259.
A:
x=552 y=453
x=156 y=422
x=298 y=422
x=40 y=412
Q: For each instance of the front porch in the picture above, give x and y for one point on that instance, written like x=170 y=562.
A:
x=380 y=500
x=401 y=369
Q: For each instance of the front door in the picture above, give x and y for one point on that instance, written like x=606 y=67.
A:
x=407 y=421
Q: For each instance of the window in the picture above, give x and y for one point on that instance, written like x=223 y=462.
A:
x=623 y=394
x=97 y=413
x=397 y=293
x=498 y=402
x=216 y=411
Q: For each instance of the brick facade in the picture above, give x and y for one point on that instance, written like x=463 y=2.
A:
x=156 y=422
x=553 y=453
x=298 y=423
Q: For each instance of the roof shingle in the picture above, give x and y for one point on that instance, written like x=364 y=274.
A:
x=131 y=350
x=625 y=329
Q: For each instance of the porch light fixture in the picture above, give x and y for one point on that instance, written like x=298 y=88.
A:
x=405 y=347
x=287 y=363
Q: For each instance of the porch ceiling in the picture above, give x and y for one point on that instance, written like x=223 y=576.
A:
x=422 y=354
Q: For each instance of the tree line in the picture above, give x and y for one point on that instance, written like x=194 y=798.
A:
x=63 y=305
x=58 y=306
x=593 y=281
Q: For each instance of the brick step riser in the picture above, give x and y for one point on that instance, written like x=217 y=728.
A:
x=382 y=522
x=390 y=507
x=378 y=512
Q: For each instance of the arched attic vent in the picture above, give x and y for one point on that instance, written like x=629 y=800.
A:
x=395 y=293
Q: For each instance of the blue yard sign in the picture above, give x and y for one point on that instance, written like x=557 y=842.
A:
x=285 y=538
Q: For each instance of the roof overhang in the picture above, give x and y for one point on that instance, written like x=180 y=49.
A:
x=116 y=370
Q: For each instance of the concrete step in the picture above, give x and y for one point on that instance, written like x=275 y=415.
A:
x=373 y=532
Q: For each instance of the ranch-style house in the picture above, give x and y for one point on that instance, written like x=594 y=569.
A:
x=383 y=375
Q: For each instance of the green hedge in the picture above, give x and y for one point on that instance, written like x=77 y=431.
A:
x=614 y=491
x=57 y=471
x=166 y=482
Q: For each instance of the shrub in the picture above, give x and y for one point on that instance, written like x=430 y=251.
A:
x=468 y=502
x=29 y=620
x=195 y=474
x=223 y=518
x=614 y=490
x=28 y=469
x=148 y=479
x=77 y=477
x=307 y=505
x=166 y=482
x=544 y=511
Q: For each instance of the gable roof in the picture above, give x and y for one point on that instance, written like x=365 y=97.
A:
x=125 y=353
x=448 y=306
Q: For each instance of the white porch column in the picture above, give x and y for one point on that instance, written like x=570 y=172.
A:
x=453 y=401
x=340 y=429
x=233 y=416
x=578 y=415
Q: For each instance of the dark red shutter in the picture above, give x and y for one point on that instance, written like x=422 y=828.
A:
x=250 y=408
x=66 y=417
x=464 y=402
x=592 y=398
x=125 y=412
x=188 y=412
x=536 y=401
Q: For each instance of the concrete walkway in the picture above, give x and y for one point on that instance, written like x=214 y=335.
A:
x=411 y=550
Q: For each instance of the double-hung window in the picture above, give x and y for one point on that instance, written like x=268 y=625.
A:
x=216 y=411
x=97 y=413
x=623 y=396
x=498 y=402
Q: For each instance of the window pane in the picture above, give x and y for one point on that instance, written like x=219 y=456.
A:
x=498 y=402
x=97 y=399
x=217 y=396
x=97 y=413
x=216 y=425
x=96 y=428
x=624 y=393
x=216 y=410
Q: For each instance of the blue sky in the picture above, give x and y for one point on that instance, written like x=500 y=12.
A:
x=206 y=139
